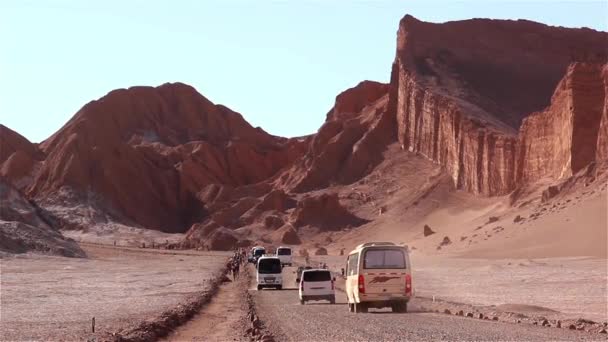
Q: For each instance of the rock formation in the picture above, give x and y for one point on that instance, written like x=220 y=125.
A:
x=350 y=142
x=25 y=228
x=564 y=138
x=146 y=152
x=18 y=158
x=324 y=211
x=460 y=90
x=474 y=96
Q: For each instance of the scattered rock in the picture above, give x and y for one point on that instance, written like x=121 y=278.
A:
x=518 y=218
x=492 y=219
x=447 y=312
x=460 y=313
x=495 y=318
x=572 y=327
x=470 y=314
x=428 y=231
x=446 y=241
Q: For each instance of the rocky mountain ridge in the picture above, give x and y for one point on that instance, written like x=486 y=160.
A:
x=497 y=103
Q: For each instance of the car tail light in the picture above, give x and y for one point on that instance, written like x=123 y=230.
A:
x=361 y=282
x=408 y=284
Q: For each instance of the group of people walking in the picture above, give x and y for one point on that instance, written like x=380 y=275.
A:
x=236 y=260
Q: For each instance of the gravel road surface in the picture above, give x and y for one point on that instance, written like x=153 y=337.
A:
x=321 y=321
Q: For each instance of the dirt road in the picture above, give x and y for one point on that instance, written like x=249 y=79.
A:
x=320 y=321
x=220 y=320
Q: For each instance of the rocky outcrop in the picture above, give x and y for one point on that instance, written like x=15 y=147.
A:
x=564 y=138
x=350 y=142
x=18 y=158
x=460 y=90
x=325 y=212
x=24 y=227
x=286 y=235
x=146 y=152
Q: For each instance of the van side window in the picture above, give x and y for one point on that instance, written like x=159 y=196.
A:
x=353 y=265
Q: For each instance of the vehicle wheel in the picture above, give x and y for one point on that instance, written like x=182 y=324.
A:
x=395 y=307
x=302 y=301
x=259 y=287
x=332 y=300
x=360 y=308
x=351 y=307
x=280 y=287
x=404 y=307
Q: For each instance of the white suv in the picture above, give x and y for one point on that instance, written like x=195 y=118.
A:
x=317 y=284
x=284 y=253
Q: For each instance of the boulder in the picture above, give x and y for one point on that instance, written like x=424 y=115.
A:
x=428 y=231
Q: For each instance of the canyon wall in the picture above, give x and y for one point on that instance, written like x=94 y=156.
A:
x=564 y=138
x=460 y=91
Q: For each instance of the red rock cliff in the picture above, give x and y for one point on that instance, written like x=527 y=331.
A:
x=18 y=157
x=460 y=90
x=563 y=139
x=349 y=143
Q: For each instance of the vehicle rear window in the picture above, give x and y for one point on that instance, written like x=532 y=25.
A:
x=259 y=252
x=384 y=258
x=284 y=251
x=317 y=276
x=268 y=266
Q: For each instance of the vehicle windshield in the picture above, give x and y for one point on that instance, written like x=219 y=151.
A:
x=384 y=259
x=269 y=266
x=284 y=251
x=317 y=276
x=259 y=252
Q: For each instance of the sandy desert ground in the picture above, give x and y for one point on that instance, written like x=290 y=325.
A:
x=556 y=288
x=54 y=298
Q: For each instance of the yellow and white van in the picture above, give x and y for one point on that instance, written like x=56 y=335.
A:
x=378 y=275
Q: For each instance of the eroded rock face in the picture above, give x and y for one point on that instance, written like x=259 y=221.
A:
x=148 y=151
x=24 y=228
x=18 y=158
x=564 y=138
x=461 y=89
x=350 y=142
x=286 y=235
x=602 y=140
x=324 y=211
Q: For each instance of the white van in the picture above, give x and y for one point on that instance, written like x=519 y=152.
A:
x=378 y=275
x=284 y=253
x=269 y=272
x=317 y=284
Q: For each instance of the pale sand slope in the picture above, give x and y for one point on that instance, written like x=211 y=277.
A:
x=557 y=260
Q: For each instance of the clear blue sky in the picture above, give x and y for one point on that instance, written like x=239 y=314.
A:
x=279 y=63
